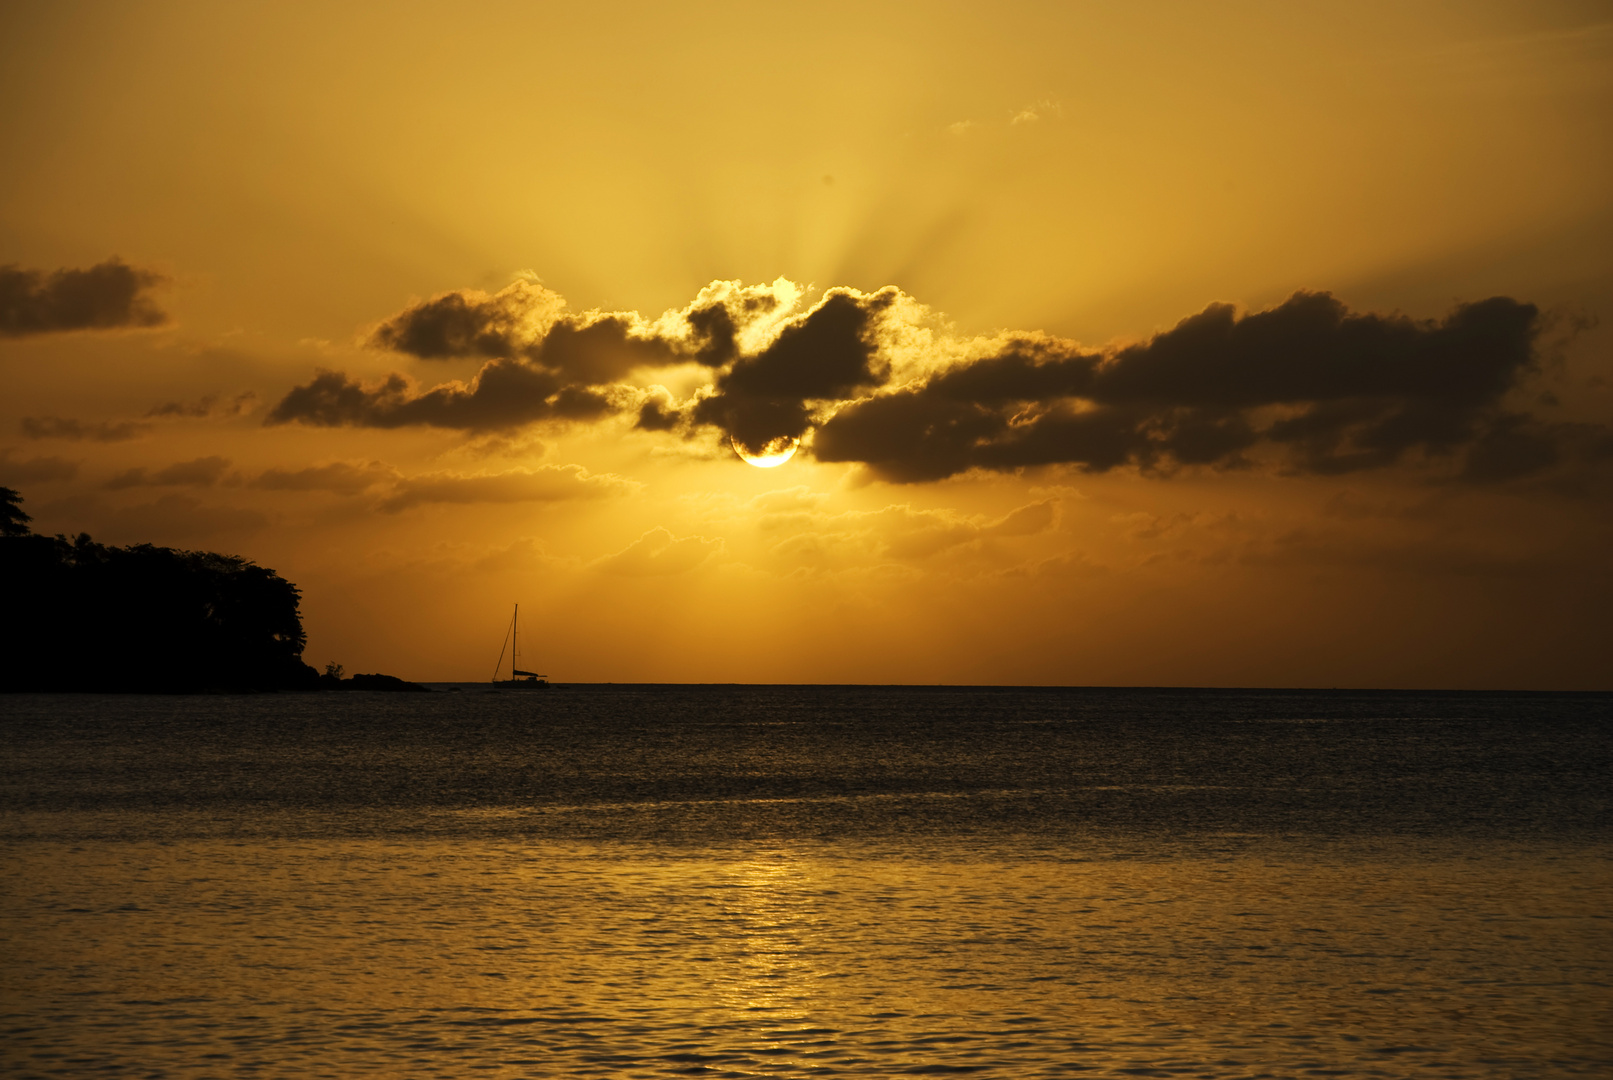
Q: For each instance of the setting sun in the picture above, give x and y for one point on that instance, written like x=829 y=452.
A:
x=771 y=454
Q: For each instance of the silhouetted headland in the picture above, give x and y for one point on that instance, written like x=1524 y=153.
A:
x=386 y=683
x=83 y=616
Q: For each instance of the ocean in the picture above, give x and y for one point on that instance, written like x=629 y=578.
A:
x=746 y=881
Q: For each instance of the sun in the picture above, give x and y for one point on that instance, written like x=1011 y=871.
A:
x=770 y=455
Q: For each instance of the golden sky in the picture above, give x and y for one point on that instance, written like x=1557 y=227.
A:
x=1254 y=344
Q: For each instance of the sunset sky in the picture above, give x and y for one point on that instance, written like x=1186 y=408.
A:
x=1122 y=343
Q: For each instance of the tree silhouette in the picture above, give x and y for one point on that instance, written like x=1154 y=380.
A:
x=83 y=616
x=13 y=519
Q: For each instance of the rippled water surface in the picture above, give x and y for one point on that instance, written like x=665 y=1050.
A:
x=803 y=881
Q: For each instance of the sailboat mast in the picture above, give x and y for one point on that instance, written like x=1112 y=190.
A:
x=515 y=642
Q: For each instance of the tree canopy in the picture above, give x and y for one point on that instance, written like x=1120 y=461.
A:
x=79 y=615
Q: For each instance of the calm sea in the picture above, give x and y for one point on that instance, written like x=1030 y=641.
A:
x=795 y=881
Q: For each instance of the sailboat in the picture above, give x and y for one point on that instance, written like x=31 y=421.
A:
x=518 y=680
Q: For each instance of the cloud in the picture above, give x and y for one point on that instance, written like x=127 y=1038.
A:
x=202 y=472
x=524 y=323
x=656 y=414
x=505 y=394
x=542 y=365
x=1325 y=389
x=1025 y=521
x=340 y=477
x=905 y=533
x=797 y=531
x=1030 y=114
x=1306 y=387
x=61 y=427
x=526 y=447
x=395 y=491
x=210 y=405
x=466 y=323
x=659 y=553
x=830 y=353
x=601 y=349
x=107 y=296
x=470 y=323
x=34 y=470
x=547 y=483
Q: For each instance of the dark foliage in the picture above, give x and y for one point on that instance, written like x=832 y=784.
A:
x=13 y=518
x=82 y=616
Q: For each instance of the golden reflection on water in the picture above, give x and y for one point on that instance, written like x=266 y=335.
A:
x=772 y=935
x=550 y=959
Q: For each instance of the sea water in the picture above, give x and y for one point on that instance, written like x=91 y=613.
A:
x=802 y=881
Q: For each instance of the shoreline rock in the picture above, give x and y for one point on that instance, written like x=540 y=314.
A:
x=384 y=683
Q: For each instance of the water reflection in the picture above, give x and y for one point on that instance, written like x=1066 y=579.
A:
x=373 y=957
x=784 y=881
x=771 y=927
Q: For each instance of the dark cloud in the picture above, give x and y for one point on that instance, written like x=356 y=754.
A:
x=1308 y=386
x=211 y=405
x=203 y=472
x=883 y=432
x=715 y=335
x=542 y=366
x=830 y=353
x=61 y=427
x=715 y=324
x=1312 y=348
x=505 y=394
x=1517 y=445
x=545 y=365
x=107 y=296
x=524 y=322
x=467 y=323
x=656 y=415
x=35 y=470
x=1329 y=390
x=601 y=350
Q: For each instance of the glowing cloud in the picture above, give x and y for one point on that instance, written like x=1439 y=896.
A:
x=1308 y=386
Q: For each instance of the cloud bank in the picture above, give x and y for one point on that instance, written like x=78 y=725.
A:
x=1323 y=389
x=202 y=472
x=108 y=296
x=15 y=471
x=64 y=427
x=1308 y=386
x=210 y=405
x=547 y=483
x=544 y=484
x=658 y=553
